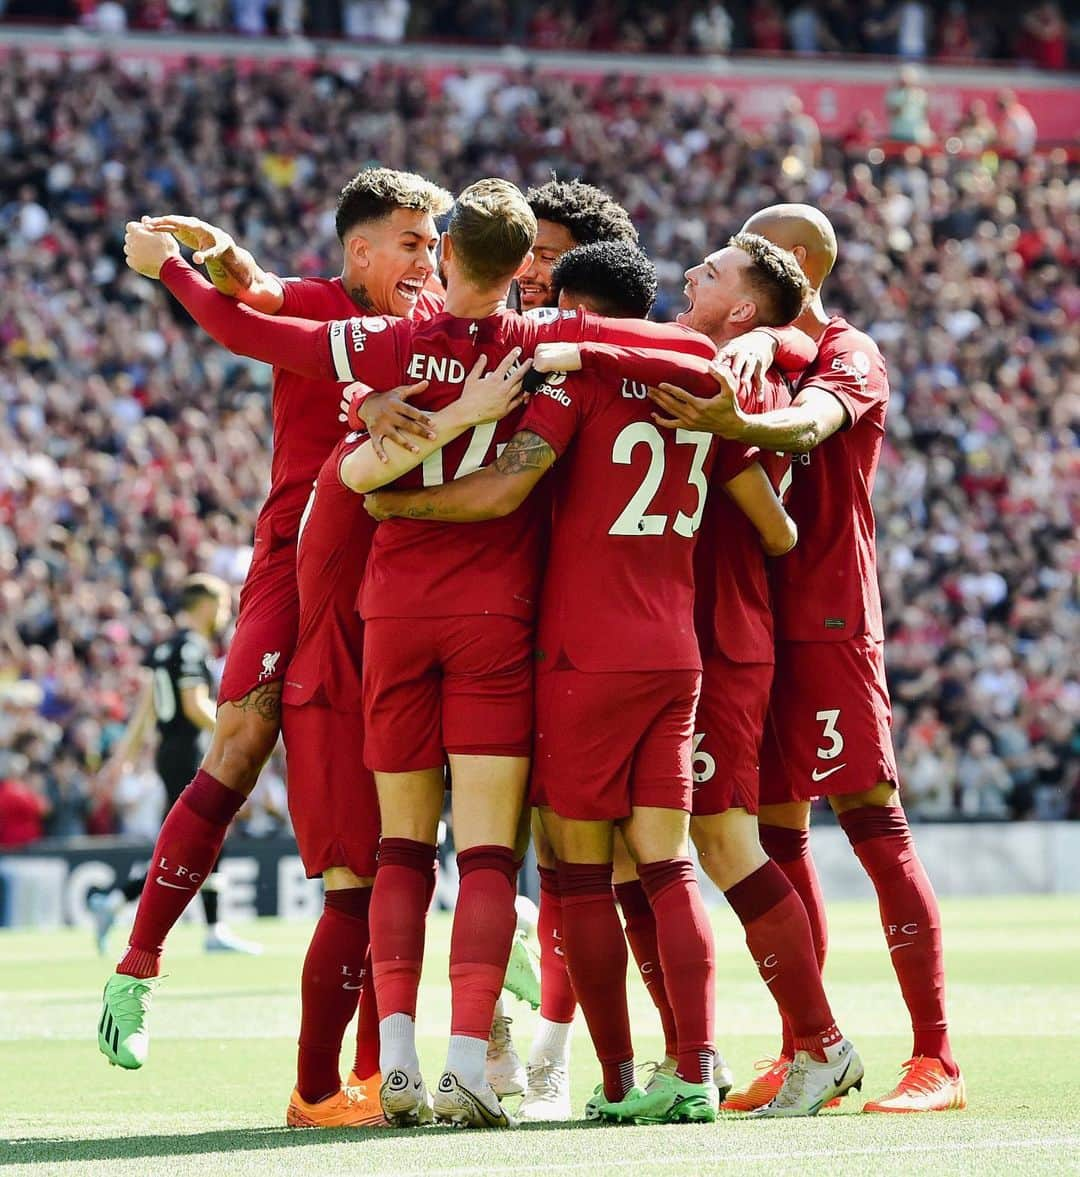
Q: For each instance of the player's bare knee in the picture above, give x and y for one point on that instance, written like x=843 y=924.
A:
x=340 y=878
x=883 y=795
x=788 y=815
x=728 y=849
x=545 y=852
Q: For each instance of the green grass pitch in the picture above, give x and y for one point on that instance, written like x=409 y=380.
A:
x=212 y=1098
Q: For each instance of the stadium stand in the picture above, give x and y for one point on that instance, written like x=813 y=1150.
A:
x=132 y=450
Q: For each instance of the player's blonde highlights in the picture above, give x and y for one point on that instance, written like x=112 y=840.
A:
x=375 y=193
x=492 y=229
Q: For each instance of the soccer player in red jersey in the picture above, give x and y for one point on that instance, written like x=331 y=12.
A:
x=828 y=728
x=735 y=631
x=628 y=503
x=467 y=597
x=568 y=213
x=385 y=221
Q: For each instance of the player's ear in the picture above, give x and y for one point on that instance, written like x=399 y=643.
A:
x=744 y=312
x=359 y=248
x=526 y=265
x=446 y=248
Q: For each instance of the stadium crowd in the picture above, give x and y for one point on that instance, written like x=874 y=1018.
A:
x=1036 y=33
x=133 y=450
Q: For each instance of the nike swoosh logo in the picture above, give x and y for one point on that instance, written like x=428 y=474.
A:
x=346 y=985
x=175 y=886
x=838 y=1079
x=818 y=775
x=906 y=944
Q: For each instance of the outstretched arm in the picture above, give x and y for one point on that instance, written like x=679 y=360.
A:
x=490 y=493
x=232 y=270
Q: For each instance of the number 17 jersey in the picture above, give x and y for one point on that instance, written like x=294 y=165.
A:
x=618 y=589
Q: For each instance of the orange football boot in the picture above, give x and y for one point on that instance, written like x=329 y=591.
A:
x=762 y=1090
x=923 y=1087
x=351 y=1107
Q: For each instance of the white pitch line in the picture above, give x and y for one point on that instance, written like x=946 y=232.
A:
x=800 y=1154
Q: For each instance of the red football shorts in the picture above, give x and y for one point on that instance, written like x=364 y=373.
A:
x=332 y=800
x=829 y=726
x=459 y=685
x=611 y=740
x=266 y=625
x=727 y=734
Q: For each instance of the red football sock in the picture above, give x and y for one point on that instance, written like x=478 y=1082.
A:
x=790 y=850
x=910 y=919
x=641 y=932
x=185 y=852
x=688 y=954
x=331 y=979
x=484 y=922
x=366 y=1062
x=557 y=1000
x=778 y=935
x=398 y=920
x=596 y=957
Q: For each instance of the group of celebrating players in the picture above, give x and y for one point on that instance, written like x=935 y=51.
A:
x=622 y=654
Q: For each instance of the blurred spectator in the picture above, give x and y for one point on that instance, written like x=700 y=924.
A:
x=22 y=808
x=912 y=32
x=1017 y=133
x=983 y=780
x=907 y=104
x=768 y=32
x=798 y=132
x=710 y=29
x=805 y=28
x=976 y=130
x=955 y=42
x=132 y=449
x=1044 y=37
x=878 y=27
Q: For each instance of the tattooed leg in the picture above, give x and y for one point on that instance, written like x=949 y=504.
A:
x=244 y=736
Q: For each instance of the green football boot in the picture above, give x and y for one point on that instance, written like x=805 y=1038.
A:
x=599 y=1108
x=669 y=1100
x=123 y=1037
x=523 y=972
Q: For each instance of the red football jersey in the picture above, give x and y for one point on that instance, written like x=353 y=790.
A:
x=629 y=499
x=331 y=553
x=429 y=569
x=826 y=589
x=732 y=606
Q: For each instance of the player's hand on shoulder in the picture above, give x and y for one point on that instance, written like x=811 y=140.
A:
x=387 y=416
x=557 y=357
x=720 y=414
x=748 y=358
x=146 y=251
x=489 y=396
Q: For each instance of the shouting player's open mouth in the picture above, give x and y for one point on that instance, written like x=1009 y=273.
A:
x=410 y=289
x=688 y=294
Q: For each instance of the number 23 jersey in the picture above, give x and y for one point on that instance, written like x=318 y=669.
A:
x=618 y=589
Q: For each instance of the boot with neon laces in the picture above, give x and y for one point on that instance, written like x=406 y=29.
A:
x=503 y=1069
x=925 y=1086
x=523 y=971
x=722 y=1076
x=668 y=1100
x=123 y=1033
x=351 y=1107
x=473 y=1106
x=811 y=1083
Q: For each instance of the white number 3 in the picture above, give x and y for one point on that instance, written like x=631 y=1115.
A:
x=836 y=740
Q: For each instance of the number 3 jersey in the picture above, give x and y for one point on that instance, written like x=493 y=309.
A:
x=628 y=502
x=419 y=568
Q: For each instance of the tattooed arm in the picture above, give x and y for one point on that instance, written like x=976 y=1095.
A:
x=490 y=493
